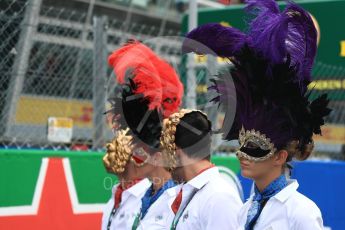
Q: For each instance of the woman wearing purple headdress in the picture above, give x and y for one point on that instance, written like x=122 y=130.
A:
x=275 y=119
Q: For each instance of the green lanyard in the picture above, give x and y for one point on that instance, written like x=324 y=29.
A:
x=111 y=216
x=181 y=210
x=136 y=221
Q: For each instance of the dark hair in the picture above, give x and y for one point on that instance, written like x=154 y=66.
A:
x=193 y=135
x=299 y=152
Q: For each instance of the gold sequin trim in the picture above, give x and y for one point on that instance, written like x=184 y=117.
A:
x=259 y=139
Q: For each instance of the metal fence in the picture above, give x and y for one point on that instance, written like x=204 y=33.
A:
x=53 y=63
x=331 y=80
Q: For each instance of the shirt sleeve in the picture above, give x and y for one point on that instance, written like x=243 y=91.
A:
x=220 y=212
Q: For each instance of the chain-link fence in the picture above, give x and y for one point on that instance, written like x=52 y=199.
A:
x=331 y=80
x=53 y=63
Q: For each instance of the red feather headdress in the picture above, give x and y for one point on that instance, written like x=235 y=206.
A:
x=154 y=85
x=153 y=77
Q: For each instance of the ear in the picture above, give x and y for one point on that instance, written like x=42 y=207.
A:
x=280 y=157
x=179 y=155
x=178 y=151
x=157 y=157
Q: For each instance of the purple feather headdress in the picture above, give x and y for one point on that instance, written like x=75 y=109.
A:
x=271 y=73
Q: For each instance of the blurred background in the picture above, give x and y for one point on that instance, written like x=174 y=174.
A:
x=55 y=81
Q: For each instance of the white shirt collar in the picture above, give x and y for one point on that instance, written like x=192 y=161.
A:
x=284 y=194
x=137 y=189
x=173 y=191
x=203 y=178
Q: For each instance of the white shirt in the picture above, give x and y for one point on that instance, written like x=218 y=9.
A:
x=287 y=210
x=214 y=206
x=130 y=203
x=160 y=215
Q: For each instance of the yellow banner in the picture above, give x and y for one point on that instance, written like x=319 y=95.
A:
x=331 y=84
x=202 y=59
x=331 y=134
x=33 y=110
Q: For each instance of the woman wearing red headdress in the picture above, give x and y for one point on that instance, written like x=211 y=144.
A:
x=149 y=90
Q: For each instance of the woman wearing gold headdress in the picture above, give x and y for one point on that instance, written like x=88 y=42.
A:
x=205 y=200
